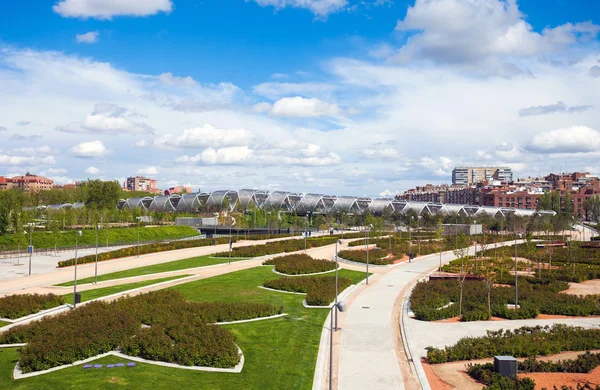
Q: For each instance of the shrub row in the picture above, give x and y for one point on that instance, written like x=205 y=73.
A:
x=300 y=263
x=176 y=331
x=535 y=297
x=17 y=306
x=523 y=342
x=376 y=256
x=320 y=290
x=485 y=374
x=283 y=246
x=584 y=363
x=144 y=249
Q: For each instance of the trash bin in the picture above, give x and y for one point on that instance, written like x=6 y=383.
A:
x=77 y=298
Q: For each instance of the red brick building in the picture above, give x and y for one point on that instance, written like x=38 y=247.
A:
x=26 y=183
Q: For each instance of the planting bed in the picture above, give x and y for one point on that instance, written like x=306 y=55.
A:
x=283 y=246
x=17 y=306
x=376 y=256
x=320 y=290
x=177 y=331
x=298 y=264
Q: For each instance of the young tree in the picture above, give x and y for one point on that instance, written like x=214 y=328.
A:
x=461 y=251
x=439 y=236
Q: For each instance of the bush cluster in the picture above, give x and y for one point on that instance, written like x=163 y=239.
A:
x=584 y=363
x=299 y=263
x=174 y=330
x=17 y=306
x=535 y=297
x=485 y=374
x=528 y=341
x=283 y=246
x=144 y=249
x=320 y=290
x=376 y=256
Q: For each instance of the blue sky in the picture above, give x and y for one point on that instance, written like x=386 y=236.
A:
x=354 y=97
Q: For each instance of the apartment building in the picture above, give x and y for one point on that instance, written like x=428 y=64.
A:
x=467 y=176
x=140 y=183
x=26 y=183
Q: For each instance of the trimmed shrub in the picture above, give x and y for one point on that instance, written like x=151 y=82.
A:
x=144 y=249
x=320 y=290
x=17 y=306
x=584 y=363
x=283 y=246
x=298 y=264
x=376 y=256
x=178 y=331
x=485 y=374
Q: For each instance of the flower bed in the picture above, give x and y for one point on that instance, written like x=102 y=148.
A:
x=320 y=290
x=144 y=249
x=300 y=263
x=376 y=256
x=527 y=341
x=178 y=331
x=535 y=297
x=283 y=246
x=17 y=306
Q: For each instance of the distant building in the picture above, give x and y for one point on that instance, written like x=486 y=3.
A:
x=139 y=183
x=178 y=190
x=26 y=183
x=466 y=176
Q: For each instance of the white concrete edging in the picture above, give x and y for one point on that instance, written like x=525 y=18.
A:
x=37 y=314
x=281 y=291
x=292 y=276
x=251 y=319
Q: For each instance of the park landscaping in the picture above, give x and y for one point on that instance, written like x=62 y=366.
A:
x=112 y=236
x=376 y=256
x=144 y=249
x=319 y=290
x=283 y=246
x=279 y=353
x=21 y=305
x=192 y=262
x=299 y=264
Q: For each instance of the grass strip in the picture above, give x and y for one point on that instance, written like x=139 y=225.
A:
x=4 y=323
x=88 y=295
x=193 y=262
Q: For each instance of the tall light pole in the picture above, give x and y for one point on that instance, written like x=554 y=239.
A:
x=77 y=234
x=269 y=225
x=367 y=245
x=216 y=223
x=30 y=249
x=305 y=233
x=341 y=307
x=516 y=268
x=230 y=242
x=138 y=231
x=96 y=265
x=336 y=282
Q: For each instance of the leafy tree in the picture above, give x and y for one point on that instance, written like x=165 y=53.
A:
x=460 y=251
x=101 y=194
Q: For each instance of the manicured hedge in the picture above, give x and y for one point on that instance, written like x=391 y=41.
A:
x=376 y=256
x=485 y=374
x=17 y=306
x=528 y=341
x=175 y=331
x=299 y=263
x=283 y=246
x=144 y=249
x=584 y=363
x=320 y=290
x=535 y=297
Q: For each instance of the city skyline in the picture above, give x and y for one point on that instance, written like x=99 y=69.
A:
x=351 y=97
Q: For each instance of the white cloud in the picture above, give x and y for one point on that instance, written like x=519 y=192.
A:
x=92 y=170
x=273 y=90
x=8 y=160
x=320 y=8
x=279 y=76
x=574 y=139
x=387 y=194
x=61 y=180
x=303 y=107
x=2 y=128
x=151 y=171
x=103 y=9
x=552 y=108
x=89 y=149
x=471 y=31
x=381 y=153
x=262 y=107
x=169 y=79
x=208 y=136
x=88 y=37
x=595 y=71
x=55 y=172
x=107 y=118
x=222 y=156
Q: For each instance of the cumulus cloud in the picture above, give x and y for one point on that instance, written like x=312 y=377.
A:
x=89 y=149
x=169 y=79
x=441 y=166
x=208 y=136
x=107 y=118
x=88 y=37
x=471 y=31
x=24 y=123
x=106 y=10
x=21 y=137
x=262 y=107
x=595 y=71
x=273 y=90
x=92 y=170
x=552 y=108
x=381 y=153
x=303 y=107
x=151 y=171
x=2 y=128
x=574 y=139
x=55 y=172
x=26 y=156
x=320 y=8
x=387 y=194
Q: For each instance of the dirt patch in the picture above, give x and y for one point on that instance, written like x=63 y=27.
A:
x=550 y=379
x=449 y=320
x=434 y=380
x=589 y=287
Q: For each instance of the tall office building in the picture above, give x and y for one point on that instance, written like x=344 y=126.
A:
x=467 y=176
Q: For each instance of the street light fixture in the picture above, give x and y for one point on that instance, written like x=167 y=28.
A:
x=96 y=265
x=77 y=234
x=138 y=231
x=337 y=265
x=341 y=306
x=30 y=249
x=216 y=223
x=369 y=227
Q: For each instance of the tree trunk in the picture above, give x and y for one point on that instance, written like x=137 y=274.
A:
x=490 y=298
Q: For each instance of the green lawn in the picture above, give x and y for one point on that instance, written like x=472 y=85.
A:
x=177 y=265
x=3 y=323
x=279 y=353
x=43 y=239
x=88 y=295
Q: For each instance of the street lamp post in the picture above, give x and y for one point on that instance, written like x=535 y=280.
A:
x=77 y=234
x=367 y=245
x=230 y=243
x=138 y=231
x=96 y=265
x=268 y=225
x=516 y=268
x=341 y=307
x=305 y=234
x=216 y=223
x=336 y=282
x=30 y=249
